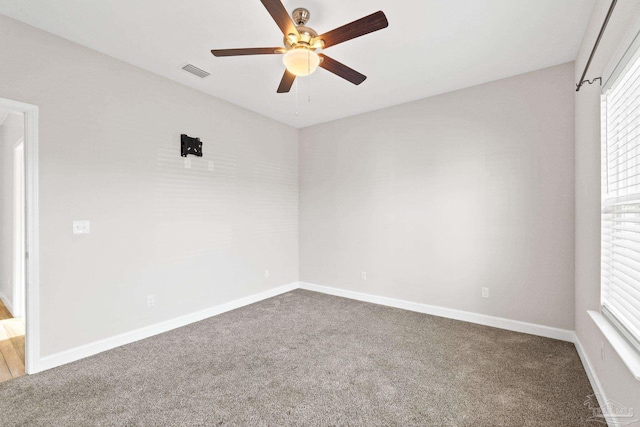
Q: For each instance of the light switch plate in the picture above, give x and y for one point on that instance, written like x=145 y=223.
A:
x=81 y=227
x=211 y=166
x=187 y=163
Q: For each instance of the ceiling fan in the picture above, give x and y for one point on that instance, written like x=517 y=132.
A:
x=302 y=42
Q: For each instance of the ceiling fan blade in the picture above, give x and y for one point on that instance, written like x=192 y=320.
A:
x=368 y=24
x=248 y=51
x=286 y=82
x=281 y=16
x=341 y=70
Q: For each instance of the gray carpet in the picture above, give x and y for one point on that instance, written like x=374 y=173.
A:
x=310 y=359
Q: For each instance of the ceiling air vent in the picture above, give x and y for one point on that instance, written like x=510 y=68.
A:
x=195 y=71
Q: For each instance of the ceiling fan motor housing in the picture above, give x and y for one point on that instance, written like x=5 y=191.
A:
x=305 y=36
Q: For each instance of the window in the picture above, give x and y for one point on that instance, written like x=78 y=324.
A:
x=621 y=198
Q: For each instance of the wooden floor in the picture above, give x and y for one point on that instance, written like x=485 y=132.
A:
x=11 y=345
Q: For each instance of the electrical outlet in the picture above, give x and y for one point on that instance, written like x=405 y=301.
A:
x=151 y=300
x=211 y=166
x=187 y=163
x=363 y=275
x=266 y=274
x=485 y=292
x=81 y=227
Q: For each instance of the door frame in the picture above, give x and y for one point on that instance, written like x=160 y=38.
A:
x=19 y=233
x=32 y=240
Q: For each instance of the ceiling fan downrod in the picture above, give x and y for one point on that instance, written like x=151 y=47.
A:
x=300 y=16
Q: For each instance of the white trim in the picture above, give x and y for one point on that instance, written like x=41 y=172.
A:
x=32 y=217
x=32 y=338
x=611 y=72
x=91 y=349
x=593 y=379
x=77 y=353
x=18 y=228
x=18 y=142
x=6 y=303
x=625 y=350
x=467 y=316
x=96 y=347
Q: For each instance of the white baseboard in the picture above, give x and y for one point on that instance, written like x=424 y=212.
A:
x=91 y=349
x=467 y=316
x=7 y=303
x=96 y=347
x=593 y=378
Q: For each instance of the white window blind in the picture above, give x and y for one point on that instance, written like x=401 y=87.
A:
x=621 y=201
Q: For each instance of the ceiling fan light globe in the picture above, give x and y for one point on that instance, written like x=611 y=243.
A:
x=301 y=62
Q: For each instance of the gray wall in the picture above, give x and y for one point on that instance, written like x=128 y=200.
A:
x=617 y=382
x=109 y=153
x=437 y=198
x=11 y=131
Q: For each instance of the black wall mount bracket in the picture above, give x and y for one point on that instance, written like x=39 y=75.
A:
x=189 y=145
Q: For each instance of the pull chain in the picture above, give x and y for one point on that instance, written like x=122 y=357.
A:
x=308 y=84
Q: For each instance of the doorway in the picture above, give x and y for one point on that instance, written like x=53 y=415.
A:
x=19 y=339
x=12 y=245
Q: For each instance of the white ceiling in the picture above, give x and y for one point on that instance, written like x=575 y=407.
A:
x=430 y=46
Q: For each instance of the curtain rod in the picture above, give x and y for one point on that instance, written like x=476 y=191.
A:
x=595 y=47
